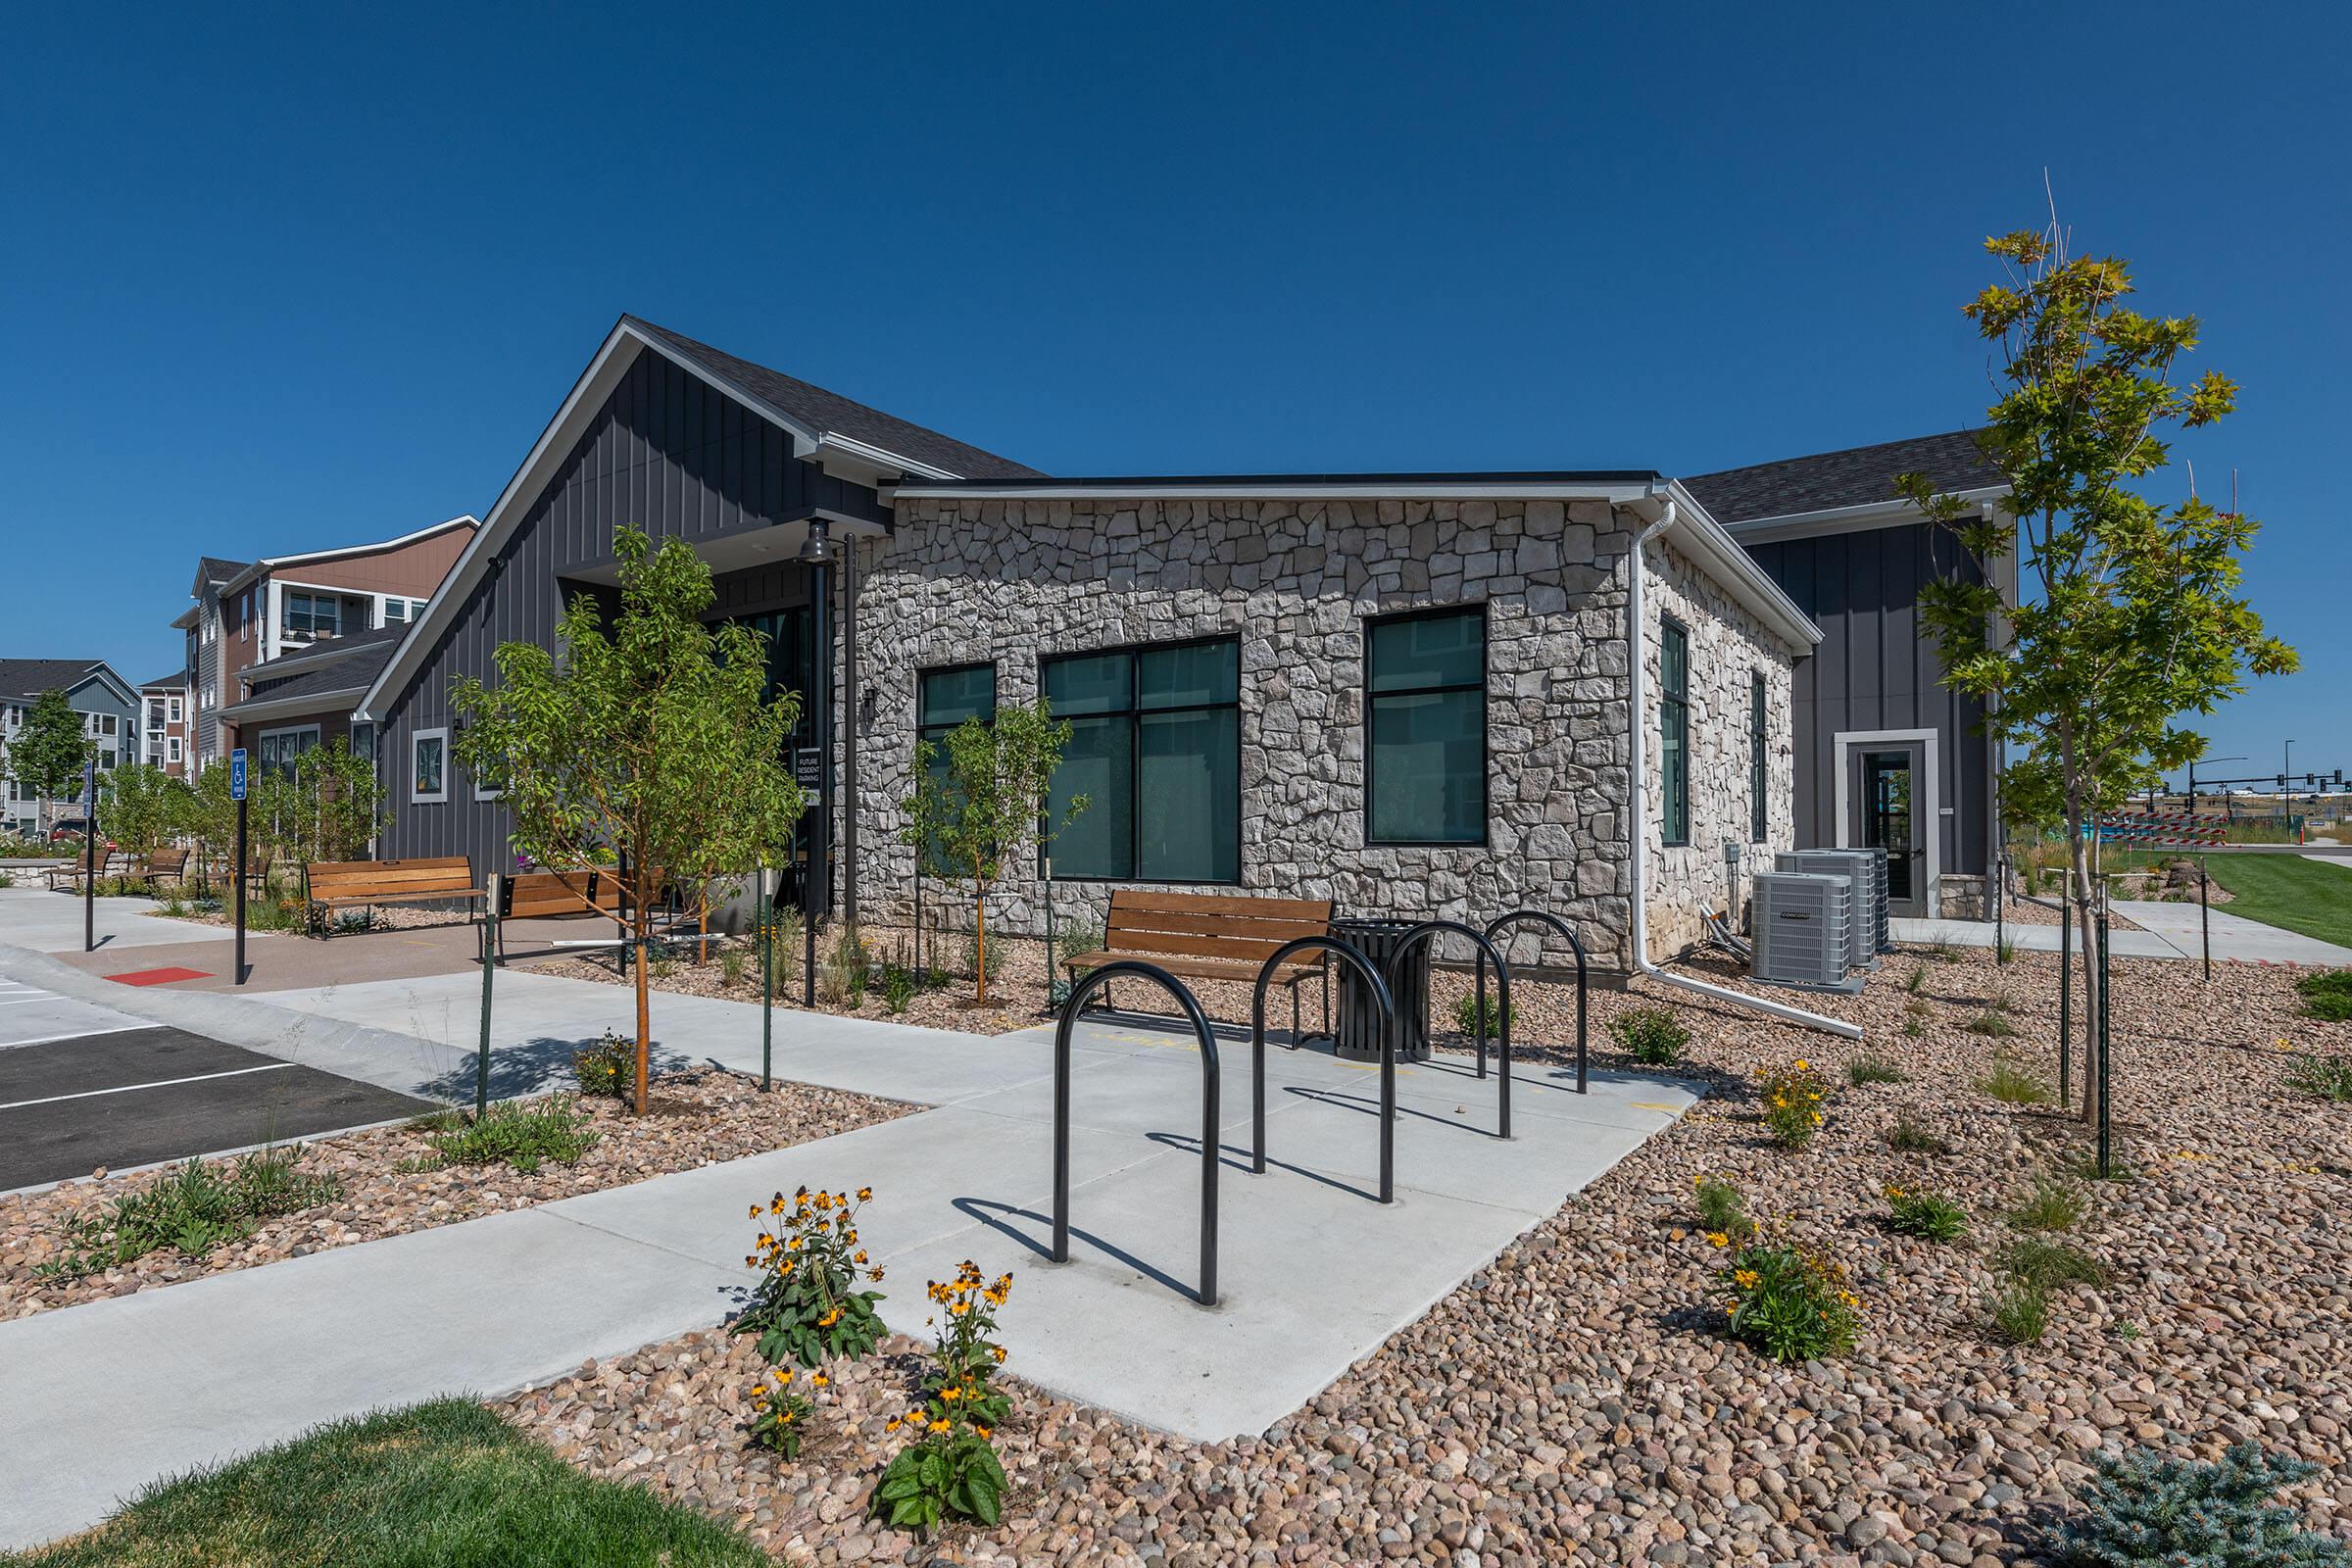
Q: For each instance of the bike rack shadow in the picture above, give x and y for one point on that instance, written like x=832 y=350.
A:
x=1428 y=930
x=986 y=1211
x=1583 y=984
x=1132 y=969
x=1387 y=1052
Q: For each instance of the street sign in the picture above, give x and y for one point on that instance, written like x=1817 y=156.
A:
x=809 y=768
x=89 y=786
x=236 y=774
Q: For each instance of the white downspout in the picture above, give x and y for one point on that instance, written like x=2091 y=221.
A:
x=1637 y=818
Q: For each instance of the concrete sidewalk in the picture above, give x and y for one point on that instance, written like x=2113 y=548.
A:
x=1314 y=1273
x=2167 y=931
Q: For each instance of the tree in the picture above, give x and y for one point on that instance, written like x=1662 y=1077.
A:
x=652 y=741
x=2130 y=615
x=979 y=796
x=327 y=806
x=138 y=804
x=49 y=751
x=205 y=812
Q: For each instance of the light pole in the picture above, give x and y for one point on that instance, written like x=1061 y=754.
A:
x=2192 y=779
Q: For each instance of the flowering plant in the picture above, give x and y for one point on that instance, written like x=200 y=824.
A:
x=1789 y=1304
x=780 y=1415
x=806 y=1306
x=1793 y=1100
x=950 y=1468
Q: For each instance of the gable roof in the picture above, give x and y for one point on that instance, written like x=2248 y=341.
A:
x=323 y=683
x=830 y=414
x=178 y=677
x=1857 y=476
x=30 y=677
x=213 y=569
x=270 y=563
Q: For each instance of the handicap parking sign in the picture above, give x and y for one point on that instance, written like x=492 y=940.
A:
x=236 y=774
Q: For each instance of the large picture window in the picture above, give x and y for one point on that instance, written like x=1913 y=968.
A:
x=1674 y=730
x=1425 y=752
x=314 y=615
x=1758 y=764
x=1155 y=747
x=943 y=700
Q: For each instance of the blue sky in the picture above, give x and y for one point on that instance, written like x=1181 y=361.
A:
x=278 y=281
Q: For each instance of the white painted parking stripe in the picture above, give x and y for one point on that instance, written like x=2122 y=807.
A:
x=161 y=1083
x=76 y=1034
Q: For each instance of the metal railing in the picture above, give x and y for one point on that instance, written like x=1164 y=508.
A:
x=1210 y=1100
x=1428 y=930
x=1584 y=978
x=1387 y=1052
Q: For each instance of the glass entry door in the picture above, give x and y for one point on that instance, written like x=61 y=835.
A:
x=1886 y=803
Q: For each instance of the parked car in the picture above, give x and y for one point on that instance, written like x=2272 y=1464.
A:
x=71 y=829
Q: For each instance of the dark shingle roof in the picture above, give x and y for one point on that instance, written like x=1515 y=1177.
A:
x=178 y=677
x=212 y=568
x=1854 y=478
x=29 y=677
x=825 y=410
x=351 y=676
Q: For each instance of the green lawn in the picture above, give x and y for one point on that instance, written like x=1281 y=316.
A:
x=2282 y=890
x=445 y=1483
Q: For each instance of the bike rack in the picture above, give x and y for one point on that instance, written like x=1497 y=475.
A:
x=1583 y=979
x=1424 y=932
x=1209 y=1084
x=1387 y=1053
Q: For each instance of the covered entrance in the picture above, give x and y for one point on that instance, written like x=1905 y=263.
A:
x=1887 y=799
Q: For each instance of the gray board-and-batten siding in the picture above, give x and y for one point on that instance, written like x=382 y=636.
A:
x=668 y=454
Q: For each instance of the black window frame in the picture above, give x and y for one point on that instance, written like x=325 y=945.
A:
x=932 y=863
x=1486 y=703
x=1759 y=761
x=1134 y=711
x=1674 y=719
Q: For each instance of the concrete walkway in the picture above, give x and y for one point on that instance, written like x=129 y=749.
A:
x=2167 y=931
x=1314 y=1274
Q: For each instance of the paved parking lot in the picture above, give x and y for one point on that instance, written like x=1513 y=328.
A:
x=83 y=1086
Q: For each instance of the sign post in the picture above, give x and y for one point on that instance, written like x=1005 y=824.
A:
x=89 y=856
x=481 y=1060
x=236 y=792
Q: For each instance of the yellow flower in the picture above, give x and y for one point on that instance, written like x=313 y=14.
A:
x=819 y=1379
x=865 y=1194
x=754 y=1214
x=892 y=1425
x=985 y=1432
x=997 y=1351
x=939 y=1426
x=1718 y=1238
x=1745 y=1278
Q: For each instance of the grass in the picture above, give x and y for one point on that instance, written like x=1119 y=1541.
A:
x=2285 y=890
x=1721 y=1208
x=193 y=1207
x=2329 y=1077
x=521 y=1134
x=2052 y=1205
x=441 y=1483
x=2049 y=1265
x=1992 y=1023
x=2011 y=1084
x=2327 y=995
x=1907 y=1137
x=2020 y=1313
x=1871 y=1069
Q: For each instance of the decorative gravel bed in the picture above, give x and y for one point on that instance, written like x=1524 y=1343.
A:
x=1578 y=1400
x=698 y=1118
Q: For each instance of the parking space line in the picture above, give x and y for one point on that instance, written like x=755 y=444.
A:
x=161 y=1083
x=76 y=1034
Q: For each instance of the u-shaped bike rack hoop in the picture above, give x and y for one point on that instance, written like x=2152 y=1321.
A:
x=1387 y=1053
x=1209 y=1084
x=1428 y=930
x=1583 y=980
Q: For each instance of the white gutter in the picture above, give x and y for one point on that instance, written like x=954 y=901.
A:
x=1638 y=816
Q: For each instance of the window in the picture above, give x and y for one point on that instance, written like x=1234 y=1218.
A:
x=1425 y=718
x=173 y=718
x=314 y=615
x=1155 y=746
x=1674 y=729
x=363 y=741
x=106 y=724
x=172 y=752
x=401 y=611
x=1758 y=769
x=279 y=747
x=945 y=698
x=428 y=757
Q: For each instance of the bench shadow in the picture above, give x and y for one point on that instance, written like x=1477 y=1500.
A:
x=991 y=1214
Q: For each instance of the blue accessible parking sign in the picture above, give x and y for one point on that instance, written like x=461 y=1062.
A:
x=236 y=774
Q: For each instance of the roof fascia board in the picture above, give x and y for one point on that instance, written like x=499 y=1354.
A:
x=314 y=656
x=1889 y=513
x=1711 y=545
x=265 y=707
x=883 y=462
x=1464 y=487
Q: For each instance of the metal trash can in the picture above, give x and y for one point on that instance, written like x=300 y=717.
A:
x=1356 y=1028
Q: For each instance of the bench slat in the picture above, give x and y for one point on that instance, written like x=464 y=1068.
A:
x=1241 y=903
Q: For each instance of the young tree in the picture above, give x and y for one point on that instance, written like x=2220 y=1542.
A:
x=204 y=813
x=652 y=740
x=2130 y=615
x=47 y=755
x=138 y=806
x=979 y=796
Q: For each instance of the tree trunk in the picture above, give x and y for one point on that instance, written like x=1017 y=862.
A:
x=643 y=925
x=980 y=948
x=2080 y=893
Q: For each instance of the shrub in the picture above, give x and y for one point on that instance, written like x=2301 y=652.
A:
x=1077 y=938
x=2020 y=1313
x=897 y=986
x=193 y=1207
x=2327 y=994
x=608 y=1068
x=1651 y=1036
x=1930 y=1217
x=1793 y=1100
x=847 y=967
x=734 y=966
x=1907 y=1137
x=2146 y=1509
x=2329 y=1077
x=2052 y=1205
x=519 y=1133
x=780 y=1415
x=1873 y=1069
x=1789 y=1304
x=2004 y=951
x=971 y=955
x=2049 y=1265
x=806 y=1306
x=1468 y=1016
x=2011 y=1084
x=8 y=879
x=951 y=1470
x=1722 y=1211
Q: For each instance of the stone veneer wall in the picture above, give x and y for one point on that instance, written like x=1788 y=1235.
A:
x=1009 y=582
x=1727 y=645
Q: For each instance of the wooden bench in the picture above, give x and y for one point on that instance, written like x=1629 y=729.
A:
x=172 y=864
x=72 y=872
x=332 y=885
x=555 y=895
x=1212 y=936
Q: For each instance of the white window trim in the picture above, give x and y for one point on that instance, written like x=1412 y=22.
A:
x=1842 y=746
x=268 y=735
x=417 y=738
x=171 y=749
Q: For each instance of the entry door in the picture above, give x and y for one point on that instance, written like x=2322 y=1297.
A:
x=1888 y=796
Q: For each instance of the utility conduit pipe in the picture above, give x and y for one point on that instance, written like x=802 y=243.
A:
x=1637 y=818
